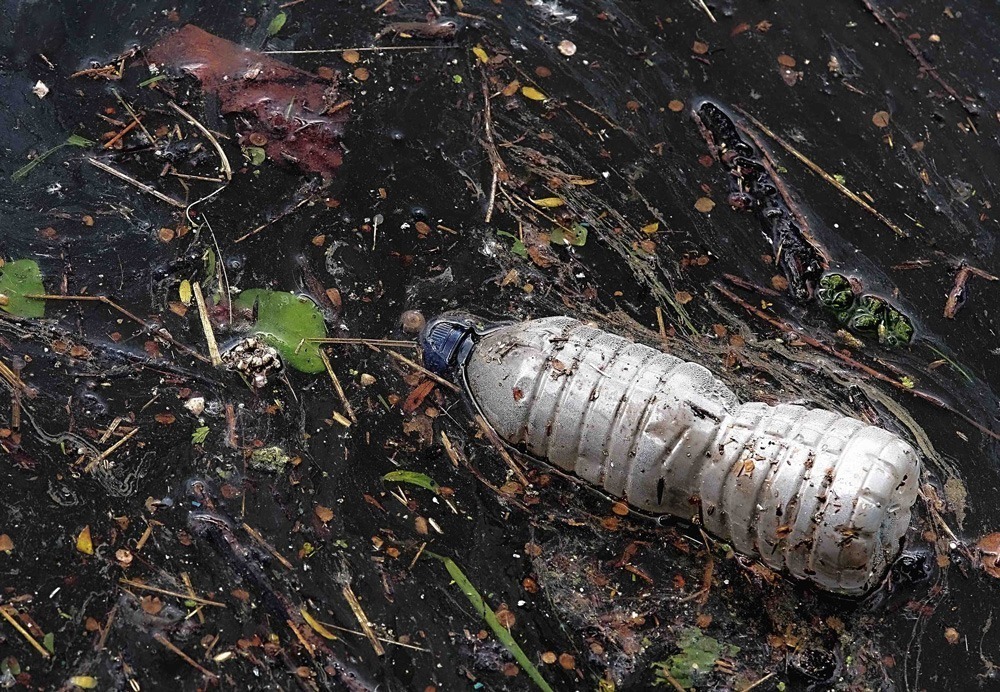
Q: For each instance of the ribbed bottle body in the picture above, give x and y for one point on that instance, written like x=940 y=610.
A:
x=819 y=495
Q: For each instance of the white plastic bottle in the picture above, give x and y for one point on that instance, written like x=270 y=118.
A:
x=821 y=496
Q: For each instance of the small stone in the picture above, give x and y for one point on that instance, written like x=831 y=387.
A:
x=40 y=90
x=413 y=321
x=367 y=380
x=567 y=48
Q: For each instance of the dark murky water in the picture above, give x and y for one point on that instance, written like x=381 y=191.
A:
x=414 y=153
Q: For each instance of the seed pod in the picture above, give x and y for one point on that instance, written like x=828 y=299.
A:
x=821 y=496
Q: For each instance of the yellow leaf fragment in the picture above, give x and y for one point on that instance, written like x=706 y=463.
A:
x=84 y=682
x=583 y=181
x=548 y=202
x=185 y=292
x=651 y=228
x=704 y=205
x=533 y=93
x=84 y=542
x=481 y=54
x=315 y=624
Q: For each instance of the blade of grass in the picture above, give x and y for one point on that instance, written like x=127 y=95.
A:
x=71 y=141
x=490 y=617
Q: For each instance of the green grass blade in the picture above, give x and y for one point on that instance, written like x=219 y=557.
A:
x=490 y=617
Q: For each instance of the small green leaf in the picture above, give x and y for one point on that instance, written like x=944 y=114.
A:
x=199 y=435
x=519 y=249
x=18 y=279
x=414 y=478
x=49 y=642
x=78 y=141
x=255 y=155
x=286 y=320
x=576 y=236
x=152 y=80
x=277 y=23
x=490 y=617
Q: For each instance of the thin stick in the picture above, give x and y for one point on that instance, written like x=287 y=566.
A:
x=128 y=128
x=956 y=296
x=659 y=321
x=302 y=640
x=360 y=50
x=824 y=175
x=381 y=639
x=135 y=118
x=107 y=629
x=366 y=626
x=206 y=325
x=504 y=454
x=261 y=227
x=162 y=333
x=416 y=366
x=336 y=386
x=491 y=148
x=23 y=632
x=190 y=587
x=227 y=170
x=132 y=181
x=110 y=450
x=175 y=594
x=390 y=343
x=702 y=5
x=260 y=539
x=759 y=682
x=190 y=661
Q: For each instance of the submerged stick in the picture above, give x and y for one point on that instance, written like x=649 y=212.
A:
x=206 y=325
x=5 y=612
x=148 y=189
x=336 y=386
x=190 y=661
x=359 y=613
x=823 y=174
x=420 y=368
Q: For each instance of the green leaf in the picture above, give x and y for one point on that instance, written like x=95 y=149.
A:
x=519 y=249
x=255 y=155
x=284 y=320
x=484 y=611
x=18 y=279
x=414 y=478
x=78 y=141
x=576 y=236
x=152 y=80
x=49 y=642
x=277 y=23
x=199 y=435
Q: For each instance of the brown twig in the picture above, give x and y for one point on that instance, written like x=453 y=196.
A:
x=341 y=50
x=190 y=589
x=206 y=325
x=110 y=450
x=956 y=296
x=128 y=128
x=336 y=386
x=279 y=217
x=161 y=333
x=106 y=630
x=160 y=637
x=504 y=454
x=254 y=534
x=704 y=7
x=389 y=343
x=823 y=174
x=416 y=366
x=759 y=682
x=227 y=170
x=857 y=365
x=917 y=54
x=132 y=181
x=496 y=163
x=175 y=594
x=5 y=612
x=359 y=613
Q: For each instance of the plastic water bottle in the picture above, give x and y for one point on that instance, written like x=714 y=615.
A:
x=821 y=496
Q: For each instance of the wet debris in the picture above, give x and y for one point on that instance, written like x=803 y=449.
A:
x=287 y=112
x=253 y=358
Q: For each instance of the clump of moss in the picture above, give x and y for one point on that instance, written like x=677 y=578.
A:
x=271 y=459
x=698 y=655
